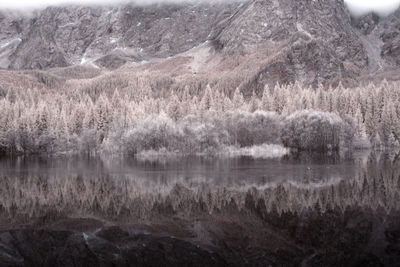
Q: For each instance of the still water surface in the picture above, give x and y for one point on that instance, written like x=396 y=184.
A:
x=113 y=186
x=305 y=168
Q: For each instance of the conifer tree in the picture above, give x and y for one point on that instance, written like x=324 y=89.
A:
x=102 y=115
x=238 y=100
x=174 y=108
x=207 y=100
x=253 y=103
x=266 y=101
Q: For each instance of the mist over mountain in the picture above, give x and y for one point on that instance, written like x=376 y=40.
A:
x=22 y=5
x=382 y=8
x=357 y=7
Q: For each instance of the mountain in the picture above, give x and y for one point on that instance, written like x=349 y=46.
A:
x=390 y=36
x=253 y=42
x=63 y=36
x=315 y=38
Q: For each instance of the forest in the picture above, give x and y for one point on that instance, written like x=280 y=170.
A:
x=126 y=122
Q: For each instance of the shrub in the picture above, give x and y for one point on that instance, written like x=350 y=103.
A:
x=314 y=130
x=153 y=133
x=248 y=129
x=197 y=134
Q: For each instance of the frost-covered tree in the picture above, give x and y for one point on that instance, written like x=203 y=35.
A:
x=253 y=103
x=371 y=115
x=153 y=133
x=266 y=101
x=186 y=100
x=174 y=107
x=247 y=129
x=279 y=97
x=361 y=137
x=102 y=115
x=238 y=100
x=389 y=125
x=89 y=120
x=99 y=118
x=314 y=130
x=207 y=100
x=76 y=120
x=218 y=103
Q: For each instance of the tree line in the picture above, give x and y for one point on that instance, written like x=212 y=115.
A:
x=122 y=122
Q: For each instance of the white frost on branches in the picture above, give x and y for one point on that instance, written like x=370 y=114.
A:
x=111 y=116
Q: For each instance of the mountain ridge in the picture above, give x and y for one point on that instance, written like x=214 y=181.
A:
x=311 y=42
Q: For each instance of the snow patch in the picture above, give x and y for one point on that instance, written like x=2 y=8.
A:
x=94 y=65
x=265 y=151
x=5 y=45
x=67 y=25
x=10 y=42
x=120 y=48
x=84 y=59
x=301 y=29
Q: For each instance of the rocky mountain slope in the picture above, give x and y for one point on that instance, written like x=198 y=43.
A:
x=317 y=40
x=62 y=36
x=273 y=41
x=389 y=31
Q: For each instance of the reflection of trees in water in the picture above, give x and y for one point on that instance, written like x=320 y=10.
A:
x=376 y=185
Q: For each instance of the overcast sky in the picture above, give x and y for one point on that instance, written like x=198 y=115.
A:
x=356 y=6
x=382 y=7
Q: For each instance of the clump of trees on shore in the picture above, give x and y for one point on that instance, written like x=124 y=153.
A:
x=114 y=121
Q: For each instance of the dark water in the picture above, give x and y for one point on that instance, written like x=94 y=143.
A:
x=299 y=210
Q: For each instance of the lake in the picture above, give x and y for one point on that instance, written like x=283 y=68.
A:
x=300 y=209
x=79 y=184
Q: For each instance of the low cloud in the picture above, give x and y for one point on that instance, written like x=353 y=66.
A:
x=357 y=7
x=381 y=7
x=38 y=4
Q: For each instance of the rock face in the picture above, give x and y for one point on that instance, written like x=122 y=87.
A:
x=381 y=38
x=62 y=36
x=389 y=33
x=366 y=23
x=317 y=39
x=308 y=41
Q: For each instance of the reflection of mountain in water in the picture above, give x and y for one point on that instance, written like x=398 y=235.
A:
x=373 y=183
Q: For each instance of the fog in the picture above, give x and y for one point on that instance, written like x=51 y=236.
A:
x=38 y=4
x=382 y=7
x=357 y=7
